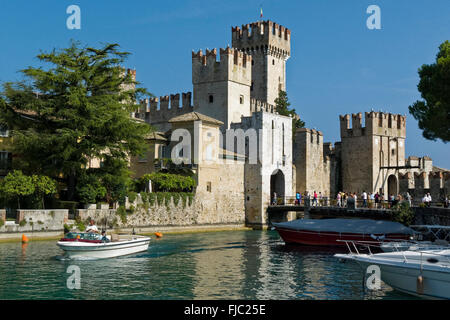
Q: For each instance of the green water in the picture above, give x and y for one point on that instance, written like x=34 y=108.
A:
x=222 y=265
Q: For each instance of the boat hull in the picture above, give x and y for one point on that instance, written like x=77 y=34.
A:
x=314 y=238
x=404 y=277
x=77 y=250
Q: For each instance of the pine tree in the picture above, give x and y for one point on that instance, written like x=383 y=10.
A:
x=76 y=109
x=282 y=106
x=433 y=112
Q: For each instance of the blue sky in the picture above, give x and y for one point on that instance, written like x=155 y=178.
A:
x=337 y=64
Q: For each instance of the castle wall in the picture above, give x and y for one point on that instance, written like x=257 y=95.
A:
x=312 y=171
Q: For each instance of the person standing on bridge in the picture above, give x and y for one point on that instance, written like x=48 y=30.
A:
x=274 y=200
x=364 y=197
x=338 y=198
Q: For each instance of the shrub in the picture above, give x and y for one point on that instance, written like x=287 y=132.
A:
x=2 y=223
x=16 y=185
x=132 y=196
x=169 y=182
x=122 y=213
x=81 y=226
x=403 y=213
x=22 y=223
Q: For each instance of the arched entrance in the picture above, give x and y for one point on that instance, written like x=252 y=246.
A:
x=277 y=185
x=392 y=185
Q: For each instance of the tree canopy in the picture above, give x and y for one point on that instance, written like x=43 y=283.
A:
x=282 y=105
x=74 y=108
x=433 y=112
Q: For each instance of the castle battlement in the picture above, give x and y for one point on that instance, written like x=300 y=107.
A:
x=262 y=36
x=258 y=105
x=376 y=123
x=233 y=64
x=155 y=110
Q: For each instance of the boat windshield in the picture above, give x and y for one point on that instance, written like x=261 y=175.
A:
x=83 y=236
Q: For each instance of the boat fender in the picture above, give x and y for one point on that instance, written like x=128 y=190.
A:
x=24 y=239
x=158 y=234
x=420 y=285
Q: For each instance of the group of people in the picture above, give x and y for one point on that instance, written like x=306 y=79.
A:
x=374 y=198
x=427 y=199
x=315 y=199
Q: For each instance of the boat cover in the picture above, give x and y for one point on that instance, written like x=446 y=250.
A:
x=360 y=226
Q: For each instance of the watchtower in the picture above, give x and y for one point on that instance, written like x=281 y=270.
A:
x=269 y=44
x=222 y=87
x=372 y=155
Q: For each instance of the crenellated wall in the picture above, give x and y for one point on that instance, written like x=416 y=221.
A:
x=158 y=111
x=420 y=183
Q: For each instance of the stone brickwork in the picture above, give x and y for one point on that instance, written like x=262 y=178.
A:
x=37 y=221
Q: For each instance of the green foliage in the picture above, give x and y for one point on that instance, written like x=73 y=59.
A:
x=282 y=105
x=67 y=228
x=16 y=185
x=168 y=182
x=433 y=113
x=403 y=213
x=132 y=196
x=165 y=198
x=81 y=226
x=122 y=213
x=74 y=110
x=22 y=223
x=115 y=177
x=44 y=186
x=89 y=189
x=2 y=223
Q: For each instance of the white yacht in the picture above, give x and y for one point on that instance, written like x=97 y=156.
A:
x=423 y=273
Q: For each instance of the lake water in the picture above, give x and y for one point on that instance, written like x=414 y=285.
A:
x=250 y=265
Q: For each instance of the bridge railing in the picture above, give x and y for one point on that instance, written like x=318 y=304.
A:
x=350 y=203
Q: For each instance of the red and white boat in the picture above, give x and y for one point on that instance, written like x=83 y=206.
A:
x=327 y=232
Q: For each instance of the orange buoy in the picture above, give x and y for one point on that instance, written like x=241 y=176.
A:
x=158 y=234
x=24 y=239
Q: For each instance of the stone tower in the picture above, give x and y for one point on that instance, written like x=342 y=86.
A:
x=371 y=155
x=269 y=44
x=222 y=88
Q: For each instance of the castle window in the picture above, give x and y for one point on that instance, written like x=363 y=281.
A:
x=393 y=152
x=253 y=62
x=273 y=62
x=211 y=98
x=208 y=186
x=241 y=99
x=251 y=87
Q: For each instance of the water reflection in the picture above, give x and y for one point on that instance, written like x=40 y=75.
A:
x=223 y=265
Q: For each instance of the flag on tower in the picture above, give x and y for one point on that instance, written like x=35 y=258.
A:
x=261 y=13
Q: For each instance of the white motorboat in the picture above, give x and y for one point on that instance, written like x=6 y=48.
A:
x=79 y=245
x=414 y=245
x=423 y=273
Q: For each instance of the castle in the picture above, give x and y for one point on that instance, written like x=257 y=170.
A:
x=234 y=92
